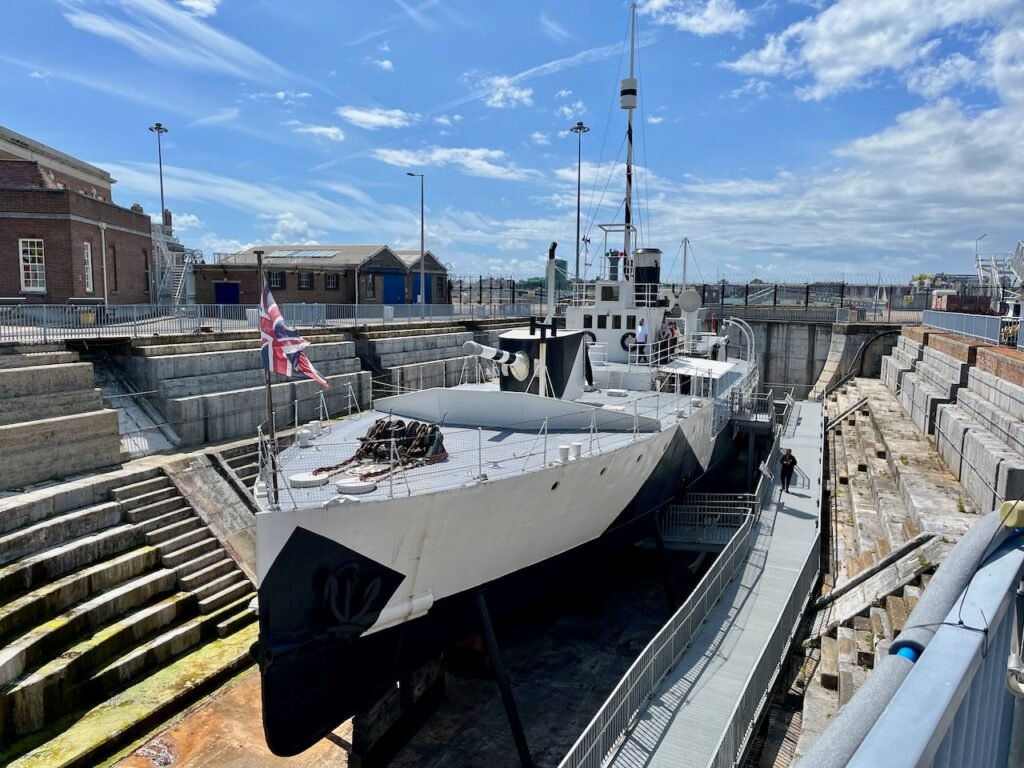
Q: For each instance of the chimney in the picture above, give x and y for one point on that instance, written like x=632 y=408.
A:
x=168 y=228
x=137 y=208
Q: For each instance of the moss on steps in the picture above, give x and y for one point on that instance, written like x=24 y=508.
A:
x=85 y=737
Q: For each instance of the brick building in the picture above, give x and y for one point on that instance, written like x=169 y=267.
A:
x=434 y=275
x=315 y=274
x=60 y=236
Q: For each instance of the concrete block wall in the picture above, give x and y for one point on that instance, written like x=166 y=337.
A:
x=440 y=373
x=55 y=448
x=392 y=352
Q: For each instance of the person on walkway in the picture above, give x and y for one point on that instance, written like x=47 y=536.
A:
x=641 y=340
x=673 y=339
x=662 y=347
x=788 y=462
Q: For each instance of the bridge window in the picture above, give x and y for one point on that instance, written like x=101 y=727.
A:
x=588 y=321
x=602 y=321
x=631 y=322
x=617 y=322
x=609 y=293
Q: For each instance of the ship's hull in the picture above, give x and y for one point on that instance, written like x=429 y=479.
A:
x=338 y=626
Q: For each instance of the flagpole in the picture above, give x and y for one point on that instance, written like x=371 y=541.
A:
x=270 y=397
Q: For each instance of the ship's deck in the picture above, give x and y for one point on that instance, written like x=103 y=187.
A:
x=495 y=452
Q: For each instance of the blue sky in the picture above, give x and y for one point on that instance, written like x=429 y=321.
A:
x=786 y=139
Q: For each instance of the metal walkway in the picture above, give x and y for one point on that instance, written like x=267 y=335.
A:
x=694 y=711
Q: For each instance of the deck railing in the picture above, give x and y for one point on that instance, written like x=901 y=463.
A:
x=990 y=328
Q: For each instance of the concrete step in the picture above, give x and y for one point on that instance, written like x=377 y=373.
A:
x=48 y=638
x=218 y=584
x=185 y=539
x=57 y=530
x=56 y=596
x=94 y=733
x=236 y=620
x=30 y=572
x=225 y=596
x=175 y=530
x=243 y=459
x=200 y=562
x=206 y=575
x=156 y=523
x=131 y=503
x=172 y=554
x=41 y=696
x=156 y=509
x=126 y=492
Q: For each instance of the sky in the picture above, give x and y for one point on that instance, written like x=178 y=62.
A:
x=785 y=139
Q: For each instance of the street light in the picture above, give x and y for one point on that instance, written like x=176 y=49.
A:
x=579 y=129
x=423 y=286
x=976 y=241
x=160 y=129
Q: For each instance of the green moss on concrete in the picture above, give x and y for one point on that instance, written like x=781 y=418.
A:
x=82 y=738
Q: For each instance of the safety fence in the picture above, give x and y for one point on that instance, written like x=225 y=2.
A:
x=56 y=322
x=617 y=716
x=990 y=328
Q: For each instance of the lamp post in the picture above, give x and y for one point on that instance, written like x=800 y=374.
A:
x=579 y=129
x=160 y=129
x=423 y=285
x=976 y=241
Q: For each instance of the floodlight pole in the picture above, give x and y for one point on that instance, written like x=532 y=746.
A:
x=579 y=129
x=160 y=129
x=423 y=285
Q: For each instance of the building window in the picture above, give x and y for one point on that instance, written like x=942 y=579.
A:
x=371 y=288
x=276 y=279
x=331 y=282
x=305 y=281
x=33 y=266
x=87 y=256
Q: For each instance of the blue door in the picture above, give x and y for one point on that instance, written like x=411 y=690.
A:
x=225 y=293
x=416 y=288
x=394 y=289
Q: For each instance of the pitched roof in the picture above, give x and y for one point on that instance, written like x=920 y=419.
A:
x=309 y=256
x=23 y=174
x=411 y=258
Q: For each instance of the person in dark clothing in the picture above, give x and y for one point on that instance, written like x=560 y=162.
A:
x=788 y=462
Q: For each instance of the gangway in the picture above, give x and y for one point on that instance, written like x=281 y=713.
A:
x=694 y=696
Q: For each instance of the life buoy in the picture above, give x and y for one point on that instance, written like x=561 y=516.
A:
x=590 y=337
x=628 y=341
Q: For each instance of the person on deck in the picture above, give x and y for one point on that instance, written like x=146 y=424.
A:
x=662 y=346
x=788 y=463
x=641 y=340
x=673 y=339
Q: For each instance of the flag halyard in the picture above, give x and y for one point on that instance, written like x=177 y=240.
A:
x=281 y=347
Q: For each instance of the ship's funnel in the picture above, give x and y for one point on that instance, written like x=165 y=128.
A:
x=518 y=363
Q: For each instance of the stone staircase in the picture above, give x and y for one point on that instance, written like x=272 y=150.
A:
x=52 y=420
x=212 y=390
x=107 y=585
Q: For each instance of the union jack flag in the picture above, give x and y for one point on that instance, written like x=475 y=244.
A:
x=282 y=347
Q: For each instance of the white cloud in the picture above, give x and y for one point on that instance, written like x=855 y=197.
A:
x=569 y=111
x=553 y=29
x=752 y=87
x=512 y=244
x=655 y=119
x=376 y=117
x=1006 y=53
x=35 y=73
x=201 y=8
x=287 y=97
x=172 y=38
x=563 y=94
x=386 y=64
x=933 y=80
x=329 y=132
x=290 y=229
x=485 y=163
x=384 y=47
x=851 y=39
x=504 y=93
x=212 y=243
x=224 y=115
x=539 y=138
x=185 y=221
x=712 y=17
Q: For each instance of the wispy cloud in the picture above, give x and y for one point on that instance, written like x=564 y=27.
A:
x=539 y=138
x=504 y=93
x=416 y=15
x=202 y=8
x=376 y=117
x=655 y=119
x=329 y=132
x=36 y=74
x=759 y=89
x=711 y=17
x=386 y=64
x=477 y=161
x=447 y=121
x=171 y=37
x=569 y=111
x=553 y=29
x=563 y=94
x=287 y=97
x=224 y=115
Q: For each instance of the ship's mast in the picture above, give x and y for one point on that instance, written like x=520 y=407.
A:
x=627 y=100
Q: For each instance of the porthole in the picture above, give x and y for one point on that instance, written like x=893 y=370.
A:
x=553 y=487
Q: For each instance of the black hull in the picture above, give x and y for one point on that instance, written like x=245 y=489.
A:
x=315 y=679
